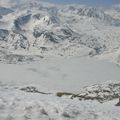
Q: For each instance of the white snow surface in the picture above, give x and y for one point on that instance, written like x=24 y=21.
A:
x=47 y=49
x=17 y=105
x=51 y=76
x=60 y=74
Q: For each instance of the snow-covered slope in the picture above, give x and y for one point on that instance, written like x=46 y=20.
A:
x=18 y=105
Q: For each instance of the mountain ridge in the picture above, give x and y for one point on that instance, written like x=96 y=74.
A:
x=48 y=29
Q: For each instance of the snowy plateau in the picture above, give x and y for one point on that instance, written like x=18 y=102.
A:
x=59 y=62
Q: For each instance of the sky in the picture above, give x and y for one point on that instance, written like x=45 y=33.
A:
x=100 y=3
x=89 y=2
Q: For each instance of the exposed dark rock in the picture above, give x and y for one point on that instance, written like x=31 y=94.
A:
x=100 y=92
x=33 y=90
x=5 y=11
x=118 y=104
x=3 y=34
x=21 y=21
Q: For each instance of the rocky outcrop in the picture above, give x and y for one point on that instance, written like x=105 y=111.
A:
x=99 y=92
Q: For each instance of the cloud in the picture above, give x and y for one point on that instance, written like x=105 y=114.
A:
x=3 y=3
x=8 y=3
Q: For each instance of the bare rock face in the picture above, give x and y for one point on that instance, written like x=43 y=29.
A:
x=20 y=42
x=118 y=104
x=21 y=20
x=3 y=34
x=5 y=11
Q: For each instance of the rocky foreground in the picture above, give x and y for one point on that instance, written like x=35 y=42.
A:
x=22 y=104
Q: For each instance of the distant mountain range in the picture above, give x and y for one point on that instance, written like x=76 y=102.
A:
x=40 y=28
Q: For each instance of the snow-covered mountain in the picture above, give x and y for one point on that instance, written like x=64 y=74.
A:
x=70 y=83
x=44 y=29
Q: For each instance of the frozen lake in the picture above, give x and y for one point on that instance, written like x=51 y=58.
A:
x=60 y=74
